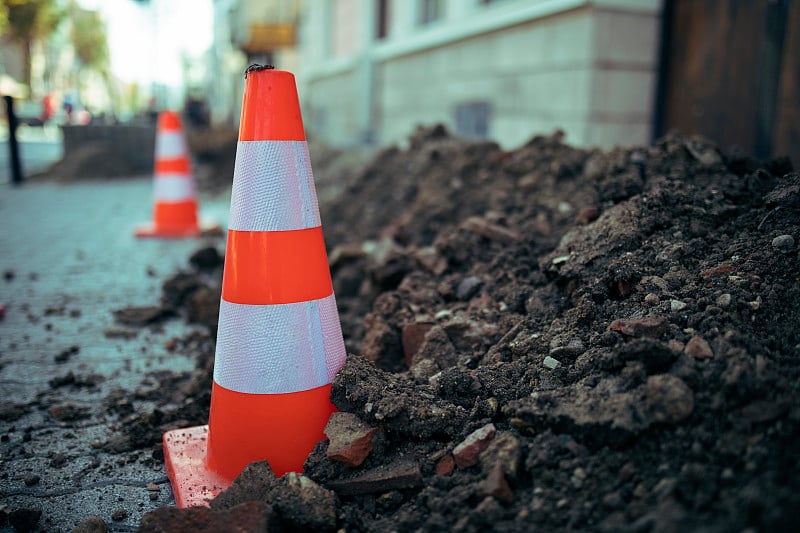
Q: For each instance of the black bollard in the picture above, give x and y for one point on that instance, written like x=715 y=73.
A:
x=13 y=147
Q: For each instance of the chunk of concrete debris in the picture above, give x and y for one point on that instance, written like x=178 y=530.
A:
x=551 y=362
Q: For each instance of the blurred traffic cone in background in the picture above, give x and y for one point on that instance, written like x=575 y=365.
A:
x=175 y=202
x=279 y=342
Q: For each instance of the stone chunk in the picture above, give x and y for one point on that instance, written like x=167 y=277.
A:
x=395 y=476
x=467 y=452
x=698 y=348
x=668 y=398
x=495 y=232
x=551 y=363
x=495 y=485
x=250 y=516
x=350 y=438
x=253 y=483
x=302 y=504
x=504 y=450
x=413 y=337
x=651 y=326
x=445 y=465
x=93 y=524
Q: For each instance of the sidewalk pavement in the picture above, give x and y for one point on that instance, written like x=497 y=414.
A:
x=68 y=260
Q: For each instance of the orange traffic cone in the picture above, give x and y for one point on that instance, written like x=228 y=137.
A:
x=279 y=341
x=175 y=209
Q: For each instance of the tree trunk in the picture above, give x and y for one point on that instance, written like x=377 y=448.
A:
x=27 y=45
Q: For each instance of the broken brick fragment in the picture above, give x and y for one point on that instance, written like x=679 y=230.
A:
x=467 y=452
x=350 y=438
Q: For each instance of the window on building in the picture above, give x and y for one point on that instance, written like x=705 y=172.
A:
x=430 y=11
x=381 y=19
x=472 y=119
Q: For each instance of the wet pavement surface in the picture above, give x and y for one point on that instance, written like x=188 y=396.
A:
x=68 y=260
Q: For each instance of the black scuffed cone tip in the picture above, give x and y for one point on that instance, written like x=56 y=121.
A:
x=256 y=67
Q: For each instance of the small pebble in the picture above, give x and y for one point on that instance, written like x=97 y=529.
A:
x=651 y=299
x=724 y=300
x=551 y=362
x=444 y=313
x=31 y=479
x=468 y=287
x=119 y=515
x=676 y=305
x=783 y=242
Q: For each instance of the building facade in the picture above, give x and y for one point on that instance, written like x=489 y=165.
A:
x=372 y=70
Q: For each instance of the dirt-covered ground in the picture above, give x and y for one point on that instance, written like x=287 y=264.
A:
x=548 y=338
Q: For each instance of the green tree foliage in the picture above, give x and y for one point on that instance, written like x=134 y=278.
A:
x=88 y=38
x=25 y=22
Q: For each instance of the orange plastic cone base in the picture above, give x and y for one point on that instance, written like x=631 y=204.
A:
x=172 y=220
x=281 y=428
x=193 y=484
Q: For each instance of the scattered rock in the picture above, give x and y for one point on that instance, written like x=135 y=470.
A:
x=676 y=306
x=413 y=337
x=207 y=258
x=24 y=520
x=587 y=215
x=399 y=475
x=10 y=411
x=495 y=485
x=303 y=505
x=93 y=524
x=783 y=242
x=467 y=452
x=445 y=465
x=68 y=412
x=65 y=356
x=487 y=229
x=467 y=287
x=551 y=363
x=350 y=438
x=249 y=516
x=669 y=399
x=253 y=483
x=698 y=348
x=142 y=316
x=653 y=326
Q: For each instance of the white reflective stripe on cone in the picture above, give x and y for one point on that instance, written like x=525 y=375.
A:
x=173 y=187
x=273 y=187
x=275 y=349
x=170 y=145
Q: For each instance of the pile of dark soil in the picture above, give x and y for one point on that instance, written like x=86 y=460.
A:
x=547 y=339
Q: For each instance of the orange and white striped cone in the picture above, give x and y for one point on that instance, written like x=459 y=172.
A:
x=175 y=202
x=279 y=340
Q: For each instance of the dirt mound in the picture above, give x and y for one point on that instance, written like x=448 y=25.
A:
x=552 y=338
